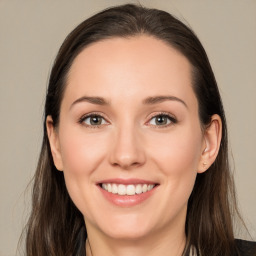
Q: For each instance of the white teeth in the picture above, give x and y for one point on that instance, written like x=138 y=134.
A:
x=130 y=189
x=109 y=188
x=144 y=188
x=150 y=187
x=138 y=189
x=114 y=189
x=121 y=190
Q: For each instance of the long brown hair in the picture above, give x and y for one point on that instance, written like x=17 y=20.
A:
x=56 y=227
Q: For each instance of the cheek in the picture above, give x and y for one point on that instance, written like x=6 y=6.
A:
x=177 y=157
x=177 y=152
x=81 y=153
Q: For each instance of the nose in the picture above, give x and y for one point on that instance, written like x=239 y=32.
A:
x=127 y=150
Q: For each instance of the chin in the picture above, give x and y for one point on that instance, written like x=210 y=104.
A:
x=127 y=227
x=127 y=234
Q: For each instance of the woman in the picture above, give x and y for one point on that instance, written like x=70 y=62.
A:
x=134 y=158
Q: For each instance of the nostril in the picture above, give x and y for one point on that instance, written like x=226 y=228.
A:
x=127 y=165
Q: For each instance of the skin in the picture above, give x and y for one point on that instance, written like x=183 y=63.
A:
x=131 y=144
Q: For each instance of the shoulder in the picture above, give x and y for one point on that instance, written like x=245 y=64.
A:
x=246 y=248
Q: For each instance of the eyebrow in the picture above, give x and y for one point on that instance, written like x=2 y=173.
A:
x=92 y=100
x=159 y=99
x=148 y=101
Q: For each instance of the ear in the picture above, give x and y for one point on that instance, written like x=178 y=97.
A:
x=54 y=143
x=211 y=145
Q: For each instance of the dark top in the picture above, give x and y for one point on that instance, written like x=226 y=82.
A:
x=245 y=248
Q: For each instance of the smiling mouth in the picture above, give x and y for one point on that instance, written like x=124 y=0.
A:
x=127 y=192
x=129 y=189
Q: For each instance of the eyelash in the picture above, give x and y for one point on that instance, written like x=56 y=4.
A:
x=90 y=115
x=170 y=117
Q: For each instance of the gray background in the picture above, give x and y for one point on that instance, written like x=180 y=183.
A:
x=30 y=35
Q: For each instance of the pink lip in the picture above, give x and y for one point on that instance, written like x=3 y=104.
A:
x=126 y=200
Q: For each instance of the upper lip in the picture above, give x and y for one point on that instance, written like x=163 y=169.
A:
x=127 y=181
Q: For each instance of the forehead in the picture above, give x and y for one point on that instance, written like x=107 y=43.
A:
x=123 y=67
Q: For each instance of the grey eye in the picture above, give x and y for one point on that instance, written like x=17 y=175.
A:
x=160 y=120
x=94 y=120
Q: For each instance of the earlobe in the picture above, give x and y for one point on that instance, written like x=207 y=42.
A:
x=211 y=145
x=54 y=143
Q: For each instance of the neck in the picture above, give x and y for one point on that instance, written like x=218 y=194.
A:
x=171 y=244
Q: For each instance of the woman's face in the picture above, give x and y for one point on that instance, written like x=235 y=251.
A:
x=129 y=123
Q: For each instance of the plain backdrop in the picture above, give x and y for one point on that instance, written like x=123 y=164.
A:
x=30 y=35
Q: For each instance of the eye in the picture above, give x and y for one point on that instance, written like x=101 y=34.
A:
x=162 y=120
x=93 y=120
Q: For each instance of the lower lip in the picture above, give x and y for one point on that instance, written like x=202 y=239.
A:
x=127 y=201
